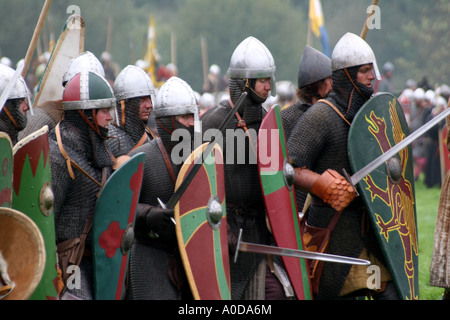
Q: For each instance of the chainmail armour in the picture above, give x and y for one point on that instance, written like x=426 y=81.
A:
x=290 y=116
x=245 y=204
x=75 y=199
x=319 y=142
x=151 y=258
x=124 y=137
x=6 y=125
x=50 y=113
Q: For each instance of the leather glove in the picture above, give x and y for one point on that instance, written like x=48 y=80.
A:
x=334 y=189
x=155 y=218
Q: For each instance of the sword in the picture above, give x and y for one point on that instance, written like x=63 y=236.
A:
x=361 y=174
x=265 y=249
x=198 y=163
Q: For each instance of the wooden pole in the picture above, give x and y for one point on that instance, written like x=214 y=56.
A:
x=109 y=34
x=204 y=60
x=173 y=48
x=36 y=34
x=365 y=29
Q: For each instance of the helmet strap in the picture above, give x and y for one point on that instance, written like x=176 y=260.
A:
x=122 y=107
x=94 y=126
x=165 y=129
x=14 y=122
x=353 y=83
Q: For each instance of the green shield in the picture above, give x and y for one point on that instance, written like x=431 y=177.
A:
x=388 y=191
x=276 y=176
x=112 y=228
x=34 y=197
x=6 y=176
x=201 y=227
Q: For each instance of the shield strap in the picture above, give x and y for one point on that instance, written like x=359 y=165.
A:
x=166 y=159
x=71 y=163
x=335 y=109
x=243 y=125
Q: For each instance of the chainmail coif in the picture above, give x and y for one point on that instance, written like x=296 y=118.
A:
x=124 y=136
x=6 y=125
x=319 y=142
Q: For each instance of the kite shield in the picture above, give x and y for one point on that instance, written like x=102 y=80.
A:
x=388 y=192
x=33 y=196
x=6 y=176
x=113 y=228
x=276 y=175
x=201 y=227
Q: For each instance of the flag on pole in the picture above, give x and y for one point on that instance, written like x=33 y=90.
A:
x=317 y=25
x=150 y=57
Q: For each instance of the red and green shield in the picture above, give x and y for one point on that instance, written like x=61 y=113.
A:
x=6 y=176
x=276 y=175
x=388 y=191
x=34 y=197
x=201 y=227
x=113 y=228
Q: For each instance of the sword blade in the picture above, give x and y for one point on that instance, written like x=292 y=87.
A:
x=264 y=249
x=365 y=171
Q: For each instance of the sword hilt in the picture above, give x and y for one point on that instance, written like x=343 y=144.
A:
x=347 y=177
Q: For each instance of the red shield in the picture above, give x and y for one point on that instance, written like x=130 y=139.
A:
x=201 y=227
x=279 y=198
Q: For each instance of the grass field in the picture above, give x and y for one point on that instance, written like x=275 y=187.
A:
x=427 y=200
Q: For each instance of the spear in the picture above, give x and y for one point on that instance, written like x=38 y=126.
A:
x=365 y=27
x=36 y=34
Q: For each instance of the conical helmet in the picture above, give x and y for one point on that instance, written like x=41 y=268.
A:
x=22 y=255
x=175 y=98
x=314 y=66
x=252 y=60
x=86 y=61
x=350 y=51
x=88 y=90
x=133 y=82
x=20 y=90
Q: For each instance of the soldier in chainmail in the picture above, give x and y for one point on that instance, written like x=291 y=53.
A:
x=318 y=149
x=80 y=165
x=135 y=96
x=50 y=113
x=252 y=70
x=156 y=271
x=314 y=83
x=13 y=114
